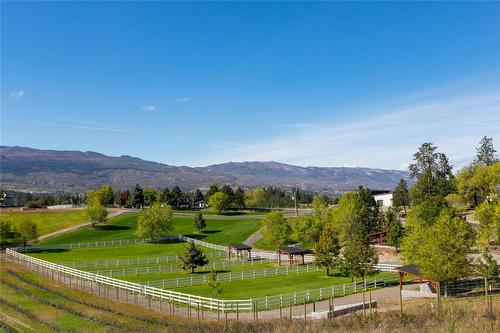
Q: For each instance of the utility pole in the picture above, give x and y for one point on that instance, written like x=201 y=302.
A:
x=295 y=200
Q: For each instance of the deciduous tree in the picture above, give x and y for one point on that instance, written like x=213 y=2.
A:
x=154 y=221
x=95 y=211
x=218 y=202
x=27 y=231
x=276 y=229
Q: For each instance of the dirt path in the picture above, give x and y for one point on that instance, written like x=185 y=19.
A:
x=78 y=226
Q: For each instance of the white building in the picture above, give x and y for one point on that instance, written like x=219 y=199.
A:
x=384 y=200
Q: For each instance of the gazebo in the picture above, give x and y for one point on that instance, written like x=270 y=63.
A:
x=412 y=270
x=239 y=248
x=292 y=251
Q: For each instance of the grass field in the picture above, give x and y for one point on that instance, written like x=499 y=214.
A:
x=47 y=221
x=114 y=252
x=274 y=285
x=219 y=231
x=32 y=303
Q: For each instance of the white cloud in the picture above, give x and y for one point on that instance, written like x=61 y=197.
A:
x=182 y=99
x=16 y=94
x=149 y=108
x=454 y=117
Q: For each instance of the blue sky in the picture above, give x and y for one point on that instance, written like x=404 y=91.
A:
x=326 y=84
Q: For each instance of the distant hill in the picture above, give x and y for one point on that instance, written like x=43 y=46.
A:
x=74 y=171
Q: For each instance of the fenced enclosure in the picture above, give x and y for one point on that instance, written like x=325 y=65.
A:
x=194 y=301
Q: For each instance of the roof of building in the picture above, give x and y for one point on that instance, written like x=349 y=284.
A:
x=294 y=250
x=410 y=269
x=240 y=246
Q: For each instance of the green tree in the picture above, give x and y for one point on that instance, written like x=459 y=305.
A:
x=401 y=196
x=165 y=196
x=367 y=211
x=213 y=283
x=395 y=231
x=7 y=233
x=199 y=222
x=95 y=211
x=303 y=229
x=27 y=231
x=327 y=249
x=255 y=197
x=344 y=215
x=218 y=202
x=154 y=221
x=488 y=214
x=485 y=152
x=358 y=259
x=239 y=198
x=175 y=197
x=487 y=266
x=433 y=173
x=150 y=197
x=228 y=191
x=214 y=188
x=198 y=196
x=276 y=229
x=137 y=198
x=192 y=257
x=444 y=253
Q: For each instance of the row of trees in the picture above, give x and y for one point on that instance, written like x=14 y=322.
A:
x=25 y=232
x=438 y=239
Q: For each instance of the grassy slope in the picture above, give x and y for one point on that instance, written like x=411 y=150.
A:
x=218 y=231
x=47 y=221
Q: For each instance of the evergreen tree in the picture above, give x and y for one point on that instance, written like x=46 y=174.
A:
x=199 y=222
x=192 y=257
x=154 y=221
x=150 y=197
x=137 y=197
x=239 y=198
x=198 y=196
x=401 y=196
x=327 y=249
x=368 y=212
x=165 y=196
x=485 y=152
x=228 y=191
x=175 y=197
x=395 y=231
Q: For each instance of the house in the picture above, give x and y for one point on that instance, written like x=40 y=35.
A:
x=384 y=199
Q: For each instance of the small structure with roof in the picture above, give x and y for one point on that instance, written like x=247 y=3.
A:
x=291 y=252
x=428 y=288
x=378 y=237
x=239 y=248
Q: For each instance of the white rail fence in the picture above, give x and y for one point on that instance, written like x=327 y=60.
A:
x=166 y=295
x=194 y=301
x=146 y=270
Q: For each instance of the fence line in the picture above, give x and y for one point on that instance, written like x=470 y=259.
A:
x=194 y=301
x=145 y=270
x=130 y=261
x=117 y=242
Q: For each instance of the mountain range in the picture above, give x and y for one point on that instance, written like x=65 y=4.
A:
x=31 y=169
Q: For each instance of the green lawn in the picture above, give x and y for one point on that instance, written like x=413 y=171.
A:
x=46 y=221
x=114 y=252
x=219 y=231
x=274 y=285
x=227 y=213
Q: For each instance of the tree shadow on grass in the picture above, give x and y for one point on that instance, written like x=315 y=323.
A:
x=208 y=271
x=211 y=231
x=111 y=227
x=46 y=250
